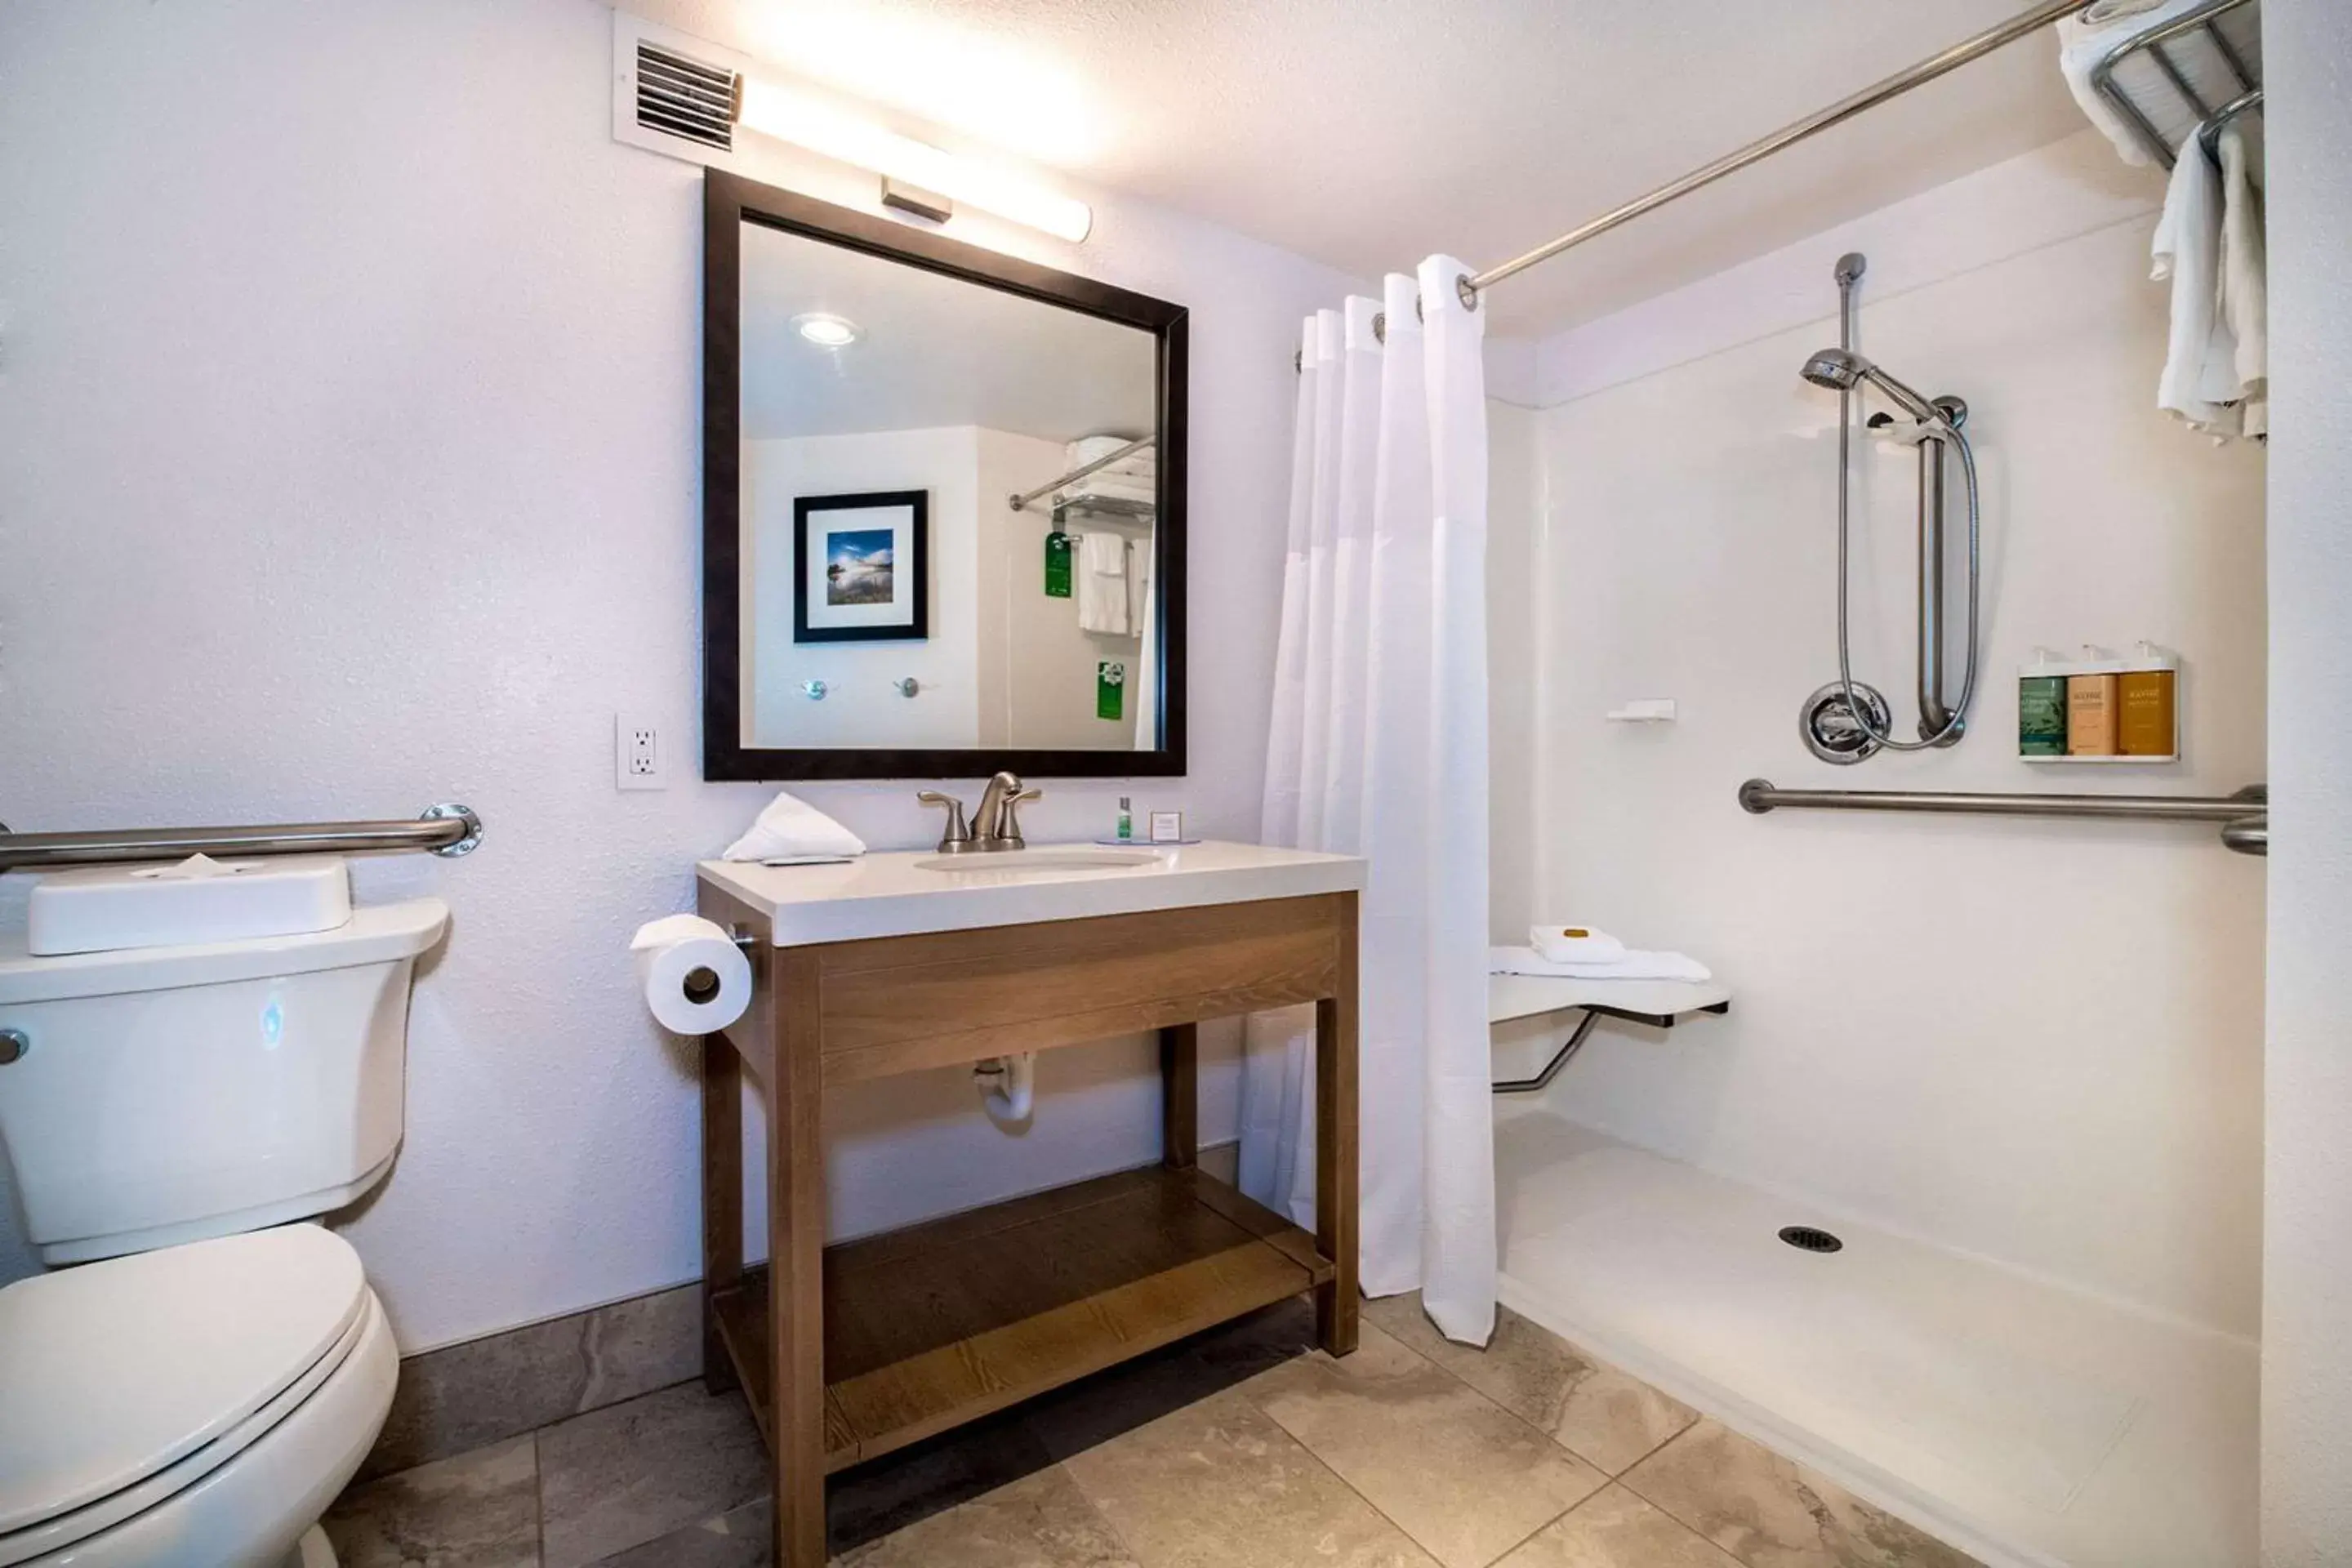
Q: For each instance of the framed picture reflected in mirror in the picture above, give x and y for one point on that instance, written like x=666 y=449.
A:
x=862 y=567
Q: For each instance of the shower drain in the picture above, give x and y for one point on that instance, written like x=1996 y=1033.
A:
x=1807 y=1238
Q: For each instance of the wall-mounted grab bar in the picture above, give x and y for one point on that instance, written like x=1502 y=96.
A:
x=2244 y=814
x=2244 y=817
x=447 y=828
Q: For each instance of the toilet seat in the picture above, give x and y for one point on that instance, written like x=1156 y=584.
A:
x=129 y=1385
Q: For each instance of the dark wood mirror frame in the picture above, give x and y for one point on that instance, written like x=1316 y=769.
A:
x=729 y=203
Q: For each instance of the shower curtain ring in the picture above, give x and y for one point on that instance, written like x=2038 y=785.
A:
x=1469 y=295
x=1380 y=326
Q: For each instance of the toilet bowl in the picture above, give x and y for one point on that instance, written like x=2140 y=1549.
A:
x=209 y=1368
x=196 y=1405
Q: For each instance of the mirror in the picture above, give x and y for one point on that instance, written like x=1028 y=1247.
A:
x=944 y=505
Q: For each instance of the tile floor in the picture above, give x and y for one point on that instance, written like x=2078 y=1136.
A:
x=1242 y=1448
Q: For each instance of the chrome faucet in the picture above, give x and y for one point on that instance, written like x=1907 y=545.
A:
x=996 y=821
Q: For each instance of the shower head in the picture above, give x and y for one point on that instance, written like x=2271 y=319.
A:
x=1837 y=369
x=1843 y=370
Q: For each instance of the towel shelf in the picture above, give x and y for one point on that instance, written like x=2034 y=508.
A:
x=2201 y=26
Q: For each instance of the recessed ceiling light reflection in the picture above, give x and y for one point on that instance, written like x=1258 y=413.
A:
x=827 y=331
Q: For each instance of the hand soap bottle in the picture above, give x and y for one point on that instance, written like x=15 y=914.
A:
x=1125 y=819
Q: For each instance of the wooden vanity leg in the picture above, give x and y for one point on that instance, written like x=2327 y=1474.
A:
x=723 y=1198
x=1336 y=1304
x=1180 y=1097
x=796 y=1264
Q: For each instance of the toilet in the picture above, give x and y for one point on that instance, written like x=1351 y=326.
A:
x=204 y=1367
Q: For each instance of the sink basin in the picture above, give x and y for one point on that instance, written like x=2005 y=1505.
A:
x=1017 y=863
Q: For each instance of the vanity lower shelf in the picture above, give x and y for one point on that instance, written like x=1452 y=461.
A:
x=929 y=1327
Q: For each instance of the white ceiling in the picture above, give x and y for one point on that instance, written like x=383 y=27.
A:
x=1368 y=135
x=937 y=351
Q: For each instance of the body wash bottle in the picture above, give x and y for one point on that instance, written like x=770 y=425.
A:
x=2042 y=707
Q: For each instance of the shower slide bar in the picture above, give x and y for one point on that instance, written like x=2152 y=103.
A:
x=2244 y=815
x=1021 y=501
x=445 y=829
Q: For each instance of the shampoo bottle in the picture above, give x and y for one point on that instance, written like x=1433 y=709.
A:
x=2091 y=704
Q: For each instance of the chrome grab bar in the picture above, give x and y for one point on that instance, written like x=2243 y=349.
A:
x=2245 y=813
x=445 y=829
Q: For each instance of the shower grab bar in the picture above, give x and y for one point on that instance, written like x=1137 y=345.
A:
x=445 y=829
x=2244 y=815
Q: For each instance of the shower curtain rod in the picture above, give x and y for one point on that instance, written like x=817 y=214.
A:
x=1845 y=108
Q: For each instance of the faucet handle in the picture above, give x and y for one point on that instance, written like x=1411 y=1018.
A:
x=1009 y=822
x=957 y=835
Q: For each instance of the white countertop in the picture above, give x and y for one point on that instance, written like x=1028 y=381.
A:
x=893 y=894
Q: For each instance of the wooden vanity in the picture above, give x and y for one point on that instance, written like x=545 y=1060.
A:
x=900 y=962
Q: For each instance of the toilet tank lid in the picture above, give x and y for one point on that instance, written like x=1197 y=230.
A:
x=110 y=1371
x=375 y=934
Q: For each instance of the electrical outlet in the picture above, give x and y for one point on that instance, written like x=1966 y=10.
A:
x=638 y=760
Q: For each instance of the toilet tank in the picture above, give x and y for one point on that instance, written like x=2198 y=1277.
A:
x=155 y=1095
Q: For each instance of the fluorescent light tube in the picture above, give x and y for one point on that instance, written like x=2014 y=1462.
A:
x=803 y=121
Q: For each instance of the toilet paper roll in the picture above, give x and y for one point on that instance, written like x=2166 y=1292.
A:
x=696 y=979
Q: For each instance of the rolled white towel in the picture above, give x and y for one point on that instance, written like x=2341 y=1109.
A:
x=1575 y=944
x=1631 y=965
x=791 y=832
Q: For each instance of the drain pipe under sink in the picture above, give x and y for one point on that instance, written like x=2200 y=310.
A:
x=1008 y=1087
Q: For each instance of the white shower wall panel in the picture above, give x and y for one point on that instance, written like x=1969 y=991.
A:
x=2035 y=1041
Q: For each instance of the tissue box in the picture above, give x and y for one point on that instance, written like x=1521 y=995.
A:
x=199 y=899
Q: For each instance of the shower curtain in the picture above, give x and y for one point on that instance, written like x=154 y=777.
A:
x=1378 y=747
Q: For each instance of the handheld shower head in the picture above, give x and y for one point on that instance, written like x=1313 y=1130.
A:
x=1843 y=370
x=1840 y=369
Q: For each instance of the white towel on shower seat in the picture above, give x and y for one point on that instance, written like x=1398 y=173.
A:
x=1632 y=965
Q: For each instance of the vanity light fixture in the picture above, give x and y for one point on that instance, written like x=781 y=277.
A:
x=805 y=121
x=827 y=331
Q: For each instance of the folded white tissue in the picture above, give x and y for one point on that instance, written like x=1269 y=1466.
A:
x=1575 y=944
x=1628 y=965
x=791 y=832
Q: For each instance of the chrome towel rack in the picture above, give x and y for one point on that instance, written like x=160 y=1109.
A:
x=444 y=828
x=2244 y=815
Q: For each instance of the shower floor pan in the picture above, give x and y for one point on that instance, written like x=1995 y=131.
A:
x=2022 y=1421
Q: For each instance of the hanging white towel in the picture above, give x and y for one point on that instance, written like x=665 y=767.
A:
x=2087 y=38
x=2244 y=274
x=1104 y=604
x=1629 y=966
x=2187 y=251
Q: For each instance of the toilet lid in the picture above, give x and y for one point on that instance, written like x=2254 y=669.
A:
x=110 y=1371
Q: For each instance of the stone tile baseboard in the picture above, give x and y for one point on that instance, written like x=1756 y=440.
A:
x=464 y=1395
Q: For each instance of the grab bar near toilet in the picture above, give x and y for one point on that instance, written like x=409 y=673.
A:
x=444 y=828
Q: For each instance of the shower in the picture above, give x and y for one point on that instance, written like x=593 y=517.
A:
x=1847 y=720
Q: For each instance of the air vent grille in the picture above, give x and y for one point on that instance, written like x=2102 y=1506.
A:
x=681 y=97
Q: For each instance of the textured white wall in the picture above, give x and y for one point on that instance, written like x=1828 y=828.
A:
x=2036 y=1041
x=2307 y=1199
x=349 y=460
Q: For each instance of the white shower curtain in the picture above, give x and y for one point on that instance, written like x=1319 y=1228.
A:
x=1378 y=747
